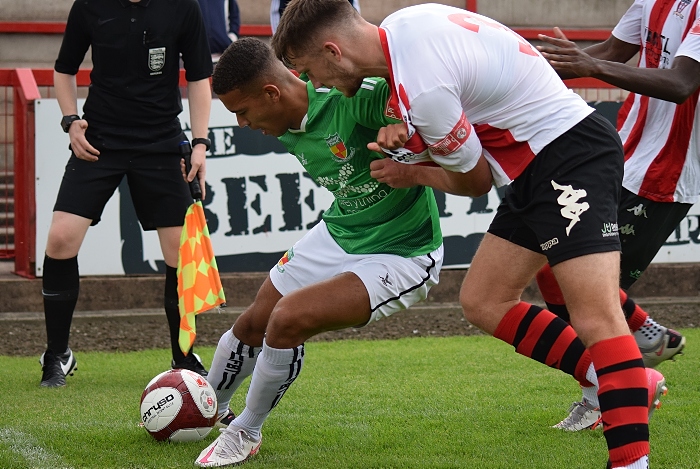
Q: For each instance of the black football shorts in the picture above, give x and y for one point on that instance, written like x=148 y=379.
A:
x=159 y=193
x=564 y=205
x=644 y=227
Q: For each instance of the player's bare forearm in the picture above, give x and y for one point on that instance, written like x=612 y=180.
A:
x=606 y=61
x=473 y=183
x=446 y=181
x=570 y=61
x=675 y=84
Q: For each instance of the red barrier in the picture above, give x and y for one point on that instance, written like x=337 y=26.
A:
x=26 y=93
x=58 y=27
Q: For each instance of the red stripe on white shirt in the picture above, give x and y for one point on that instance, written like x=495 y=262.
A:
x=631 y=142
x=662 y=155
x=511 y=155
x=662 y=175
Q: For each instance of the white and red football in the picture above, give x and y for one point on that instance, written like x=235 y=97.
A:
x=178 y=405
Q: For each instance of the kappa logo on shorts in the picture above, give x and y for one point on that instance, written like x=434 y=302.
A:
x=628 y=229
x=638 y=210
x=549 y=244
x=386 y=281
x=569 y=200
x=156 y=60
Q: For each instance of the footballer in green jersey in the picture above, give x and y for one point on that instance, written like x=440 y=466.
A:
x=366 y=216
x=376 y=251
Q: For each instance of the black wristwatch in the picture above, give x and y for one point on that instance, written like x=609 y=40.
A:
x=68 y=120
x=204 y=141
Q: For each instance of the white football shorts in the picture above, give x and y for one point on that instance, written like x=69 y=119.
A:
x=393 y=282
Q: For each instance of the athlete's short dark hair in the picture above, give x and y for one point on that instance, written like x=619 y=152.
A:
x=242 y=64
x=301 y=22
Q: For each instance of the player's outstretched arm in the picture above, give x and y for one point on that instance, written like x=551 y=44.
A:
x=605 y=61
x=675 y=84
x=570 y=61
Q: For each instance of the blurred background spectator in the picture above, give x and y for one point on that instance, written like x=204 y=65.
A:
x=222 y=20
x=278 y=6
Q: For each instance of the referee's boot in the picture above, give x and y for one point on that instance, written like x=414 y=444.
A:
x=191 y=362
x=55 y=367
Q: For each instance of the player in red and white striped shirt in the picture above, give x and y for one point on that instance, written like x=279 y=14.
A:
x=659 y=127
x=488 y=107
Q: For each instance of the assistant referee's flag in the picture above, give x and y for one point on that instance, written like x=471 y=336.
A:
x=198 y=283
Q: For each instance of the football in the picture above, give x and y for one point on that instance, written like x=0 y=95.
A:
x=178 y=405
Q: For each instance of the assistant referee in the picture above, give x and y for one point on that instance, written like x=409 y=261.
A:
x=129 y=127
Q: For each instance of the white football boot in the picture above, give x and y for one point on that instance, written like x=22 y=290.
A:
x=233 y=447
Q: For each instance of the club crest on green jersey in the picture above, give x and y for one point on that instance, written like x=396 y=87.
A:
x=338 y=148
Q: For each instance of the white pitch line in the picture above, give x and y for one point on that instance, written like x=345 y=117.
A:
x=26 y=446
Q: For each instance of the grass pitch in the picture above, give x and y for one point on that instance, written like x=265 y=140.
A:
x=460 y=402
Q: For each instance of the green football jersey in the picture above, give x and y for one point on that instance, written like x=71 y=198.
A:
x=366 y=217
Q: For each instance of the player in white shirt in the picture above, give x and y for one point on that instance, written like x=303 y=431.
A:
x=489 y=107
x=659 y=125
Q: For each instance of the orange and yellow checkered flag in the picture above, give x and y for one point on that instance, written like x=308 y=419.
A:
x=198 y=283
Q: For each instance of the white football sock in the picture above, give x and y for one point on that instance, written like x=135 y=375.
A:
x=233 y=362
x=641 y=463
x=591 y=375
x=275 y=371
x=590 y=393
x=649 y=335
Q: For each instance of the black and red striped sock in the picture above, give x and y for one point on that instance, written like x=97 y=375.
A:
x=635 y=315
x=546 y=338
x=623 y=394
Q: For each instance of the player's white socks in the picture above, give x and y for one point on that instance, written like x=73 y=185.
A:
x=649 y=335
x=590 y=393
x=233 y=362
x=641 y=463
x=275 y=371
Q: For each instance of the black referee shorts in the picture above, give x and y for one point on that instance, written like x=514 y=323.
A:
x=564 y=205
x=159 y=193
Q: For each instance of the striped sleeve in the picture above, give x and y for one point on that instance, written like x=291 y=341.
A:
x=690 y=47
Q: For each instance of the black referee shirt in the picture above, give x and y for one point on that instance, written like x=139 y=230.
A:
x=136 y=49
